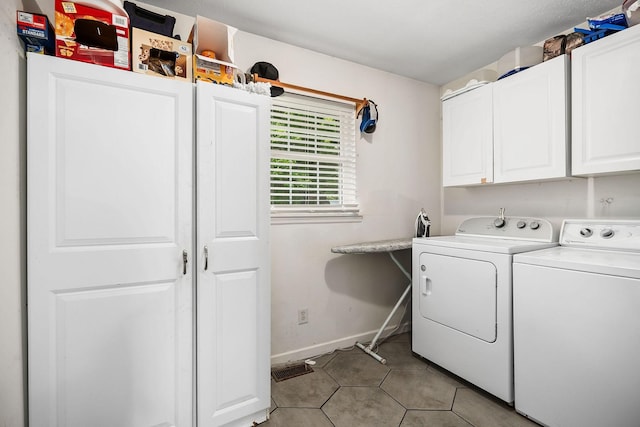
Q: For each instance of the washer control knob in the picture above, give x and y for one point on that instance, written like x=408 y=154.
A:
x=423 y=267
x=586 y=232
x=607 y=233
x=521 y=224
x=499 y=222
x=534 y=225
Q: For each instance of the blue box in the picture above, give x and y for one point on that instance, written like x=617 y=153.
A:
x=36 y=32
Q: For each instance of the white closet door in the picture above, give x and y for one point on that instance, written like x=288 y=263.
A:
x=233 y=290
x=109 y=215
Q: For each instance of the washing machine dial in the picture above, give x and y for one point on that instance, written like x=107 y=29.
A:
x=607 y=233
x=423 y=267
x=586 y=232
x=534 y=225
x=521 y=224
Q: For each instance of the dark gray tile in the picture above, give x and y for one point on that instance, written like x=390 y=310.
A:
x=403 y=337
x=308 y=390
x=363 y=406
x=420 y=389
x=321 y=361
x=483 y=411
x=299 y=417
x=433 y=419
x=356 y=369
x=399 y=356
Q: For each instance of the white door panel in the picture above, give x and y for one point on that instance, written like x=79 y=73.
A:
x=233 y=337
x=459 y=293
x=109 y=215
x=467 y=138
x=530 y=123
x=605 y=104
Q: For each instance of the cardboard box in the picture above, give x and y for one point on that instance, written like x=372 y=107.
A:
x=95 y=31
x=212 y=36
x=36 y=32
x=159 y=55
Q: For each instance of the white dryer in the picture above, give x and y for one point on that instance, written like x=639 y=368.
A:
x=577 y=327
x=462 y=300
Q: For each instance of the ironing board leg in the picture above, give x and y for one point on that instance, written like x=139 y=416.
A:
x=368 y=349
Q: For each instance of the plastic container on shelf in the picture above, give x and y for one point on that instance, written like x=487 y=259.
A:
x=472 y=81
x=631 y=9
x=519 y=59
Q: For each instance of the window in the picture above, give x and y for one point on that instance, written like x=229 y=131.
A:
x=313 y=158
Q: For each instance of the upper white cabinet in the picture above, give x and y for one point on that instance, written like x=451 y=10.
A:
x=512 y=130
x=467 y=138
x=606 y=104
x=530 y=127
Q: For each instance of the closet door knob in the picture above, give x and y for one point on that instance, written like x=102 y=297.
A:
x=206 y=258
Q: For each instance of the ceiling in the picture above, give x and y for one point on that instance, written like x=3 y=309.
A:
x=435 y=41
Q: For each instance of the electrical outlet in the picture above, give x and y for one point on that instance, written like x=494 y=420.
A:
x=303 y=316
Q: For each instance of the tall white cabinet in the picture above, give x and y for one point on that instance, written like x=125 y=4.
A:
x=606 y=104
x=120 y=303
x=233 y=269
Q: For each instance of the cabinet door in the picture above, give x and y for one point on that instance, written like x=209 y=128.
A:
x=530 y=123
x=110 y=325
x=233 y=290
x=606 y=105
x=467 y=138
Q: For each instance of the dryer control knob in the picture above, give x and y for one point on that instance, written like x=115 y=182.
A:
x=534 y=225
x=586 y=232
x=499 y=222
x=521 y=224
x=607 y=233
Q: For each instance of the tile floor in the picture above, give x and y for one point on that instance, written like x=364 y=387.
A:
x=351 y=389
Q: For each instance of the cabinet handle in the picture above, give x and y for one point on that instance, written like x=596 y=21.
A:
x=185 y=257
x=206 y=258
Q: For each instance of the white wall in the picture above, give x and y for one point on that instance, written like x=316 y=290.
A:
x=557 y=200
x=398 y=172
x=12 y=249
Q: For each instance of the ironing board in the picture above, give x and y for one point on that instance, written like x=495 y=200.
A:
x=380 y=246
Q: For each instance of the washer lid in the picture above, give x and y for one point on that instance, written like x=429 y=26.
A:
x=613 y=263
x=484 y=244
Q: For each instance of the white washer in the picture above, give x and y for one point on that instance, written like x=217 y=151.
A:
x=577 y=327
x=462 y=305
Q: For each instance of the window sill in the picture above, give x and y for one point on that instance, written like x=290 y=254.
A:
x=278 y=218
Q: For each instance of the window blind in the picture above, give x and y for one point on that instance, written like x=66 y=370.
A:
x=313 y=156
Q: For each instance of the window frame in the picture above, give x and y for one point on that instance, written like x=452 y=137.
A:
x=304 y=131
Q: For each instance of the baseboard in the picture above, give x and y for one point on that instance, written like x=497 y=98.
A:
x=329 y=346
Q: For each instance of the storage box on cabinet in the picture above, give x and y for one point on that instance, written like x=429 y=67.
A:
x=606 y=105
